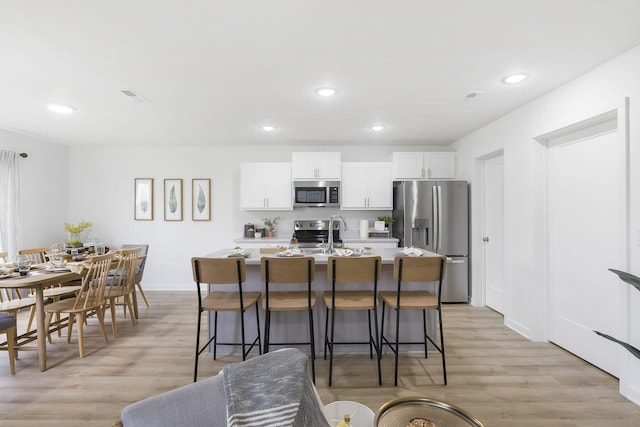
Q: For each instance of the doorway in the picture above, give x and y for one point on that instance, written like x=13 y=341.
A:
x=493 y=234
x=586 y=237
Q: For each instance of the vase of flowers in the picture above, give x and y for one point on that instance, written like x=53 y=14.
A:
x=75 y=232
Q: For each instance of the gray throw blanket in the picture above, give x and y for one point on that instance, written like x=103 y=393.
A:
x=275 y=389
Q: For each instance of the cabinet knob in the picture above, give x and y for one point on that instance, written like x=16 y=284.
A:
x=485 y=239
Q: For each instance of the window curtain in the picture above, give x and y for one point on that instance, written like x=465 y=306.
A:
x=9 y=201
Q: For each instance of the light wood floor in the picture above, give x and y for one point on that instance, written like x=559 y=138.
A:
x=498 y=376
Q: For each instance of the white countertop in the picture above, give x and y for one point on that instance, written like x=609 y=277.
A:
x=275 y=241
x=387 y=254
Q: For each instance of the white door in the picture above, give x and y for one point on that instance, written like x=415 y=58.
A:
x=586 y=237
x=493 y=238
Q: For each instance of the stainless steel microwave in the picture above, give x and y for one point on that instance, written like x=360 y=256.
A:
x=316 y=193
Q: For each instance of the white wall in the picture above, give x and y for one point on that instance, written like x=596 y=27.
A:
x=43 y=181
x=601 y=89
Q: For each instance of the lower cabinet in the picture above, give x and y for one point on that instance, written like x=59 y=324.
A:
x=366 y=186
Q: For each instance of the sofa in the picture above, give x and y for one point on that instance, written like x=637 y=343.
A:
x=276 y=386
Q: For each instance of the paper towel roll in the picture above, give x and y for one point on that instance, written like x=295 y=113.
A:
x=364 y=229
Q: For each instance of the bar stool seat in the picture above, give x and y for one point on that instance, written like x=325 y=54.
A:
x=420 y=272
x=286 y=273
x=342 y=271
x=220 y=272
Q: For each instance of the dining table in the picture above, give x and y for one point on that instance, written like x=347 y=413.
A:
x=38 y=279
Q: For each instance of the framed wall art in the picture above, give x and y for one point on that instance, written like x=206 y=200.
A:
x=173 y=199
x=143 y=199
x=201 y=199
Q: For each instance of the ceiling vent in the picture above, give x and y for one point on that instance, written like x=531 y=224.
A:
x=132 y=94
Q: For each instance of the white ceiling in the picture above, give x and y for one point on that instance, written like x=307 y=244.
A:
x=214 y=71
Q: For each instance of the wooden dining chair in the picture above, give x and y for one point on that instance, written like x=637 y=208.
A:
x=219 y=272
x=289 y=273
x=12 y=301
x=38 y=255
x=343 y=273
x=121 y=284
x=90 y=299
x=142 y=261
x=415 y=277
x=52 y=293
x=8 y=327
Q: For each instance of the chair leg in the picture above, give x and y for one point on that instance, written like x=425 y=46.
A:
x=444 y=364
x=244 y=354
x=144 y=297
x=395 y=381
x=128 y=303
x=72 y=319
x=258 y=329
x=215 y=334
x=313 y=346
x=81 y=334
x=326 y=331
x=103 y=329
x=267 y=326
x=370 y=335
x=382 y=338
x=11 y=339
x=378 y=345
x=112 y=309
x=424 y=325
x=333 y=322
x=195 y=365
x=32 y=314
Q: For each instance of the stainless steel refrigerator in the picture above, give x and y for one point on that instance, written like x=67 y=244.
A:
x=434 y=215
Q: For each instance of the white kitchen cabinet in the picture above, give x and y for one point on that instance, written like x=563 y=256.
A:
x=265 y=186
x=424 y=165
x=308 y=165
x=366 y=185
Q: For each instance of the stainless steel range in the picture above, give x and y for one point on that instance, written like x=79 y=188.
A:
x=312 y=233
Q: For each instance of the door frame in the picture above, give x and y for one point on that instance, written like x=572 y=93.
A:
x=479 y=294
x=618 y=111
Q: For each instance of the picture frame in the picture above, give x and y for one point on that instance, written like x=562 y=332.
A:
x=173 y=199
x=201 y=199
x=143 y=199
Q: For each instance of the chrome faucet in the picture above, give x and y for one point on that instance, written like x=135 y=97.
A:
x=331 y=221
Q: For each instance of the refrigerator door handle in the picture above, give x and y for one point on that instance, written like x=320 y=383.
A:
x=439 y=192
x=434 y=216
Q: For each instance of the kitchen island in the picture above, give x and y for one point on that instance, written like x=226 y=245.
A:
x=292 y=326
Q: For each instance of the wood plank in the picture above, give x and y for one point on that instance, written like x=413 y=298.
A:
x=498 y=376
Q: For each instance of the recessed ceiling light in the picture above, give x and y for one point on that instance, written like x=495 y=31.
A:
x=268 y=128
x=377 y=128
x=326 y=91
x=515 y=78
x=61 y=109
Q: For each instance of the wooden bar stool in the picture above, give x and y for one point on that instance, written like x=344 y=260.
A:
x=223 y=271
x=342 y=271
x=288 y=272
x=422 y=270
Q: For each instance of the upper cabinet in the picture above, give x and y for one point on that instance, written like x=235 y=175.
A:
x=316 y=165
x=265 y=186
x=424 y=165
x=366 y=186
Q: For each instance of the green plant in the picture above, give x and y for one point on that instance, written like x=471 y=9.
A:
x=635 y=282
x=271 y=223
x=75 y=230
x=386 y=218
